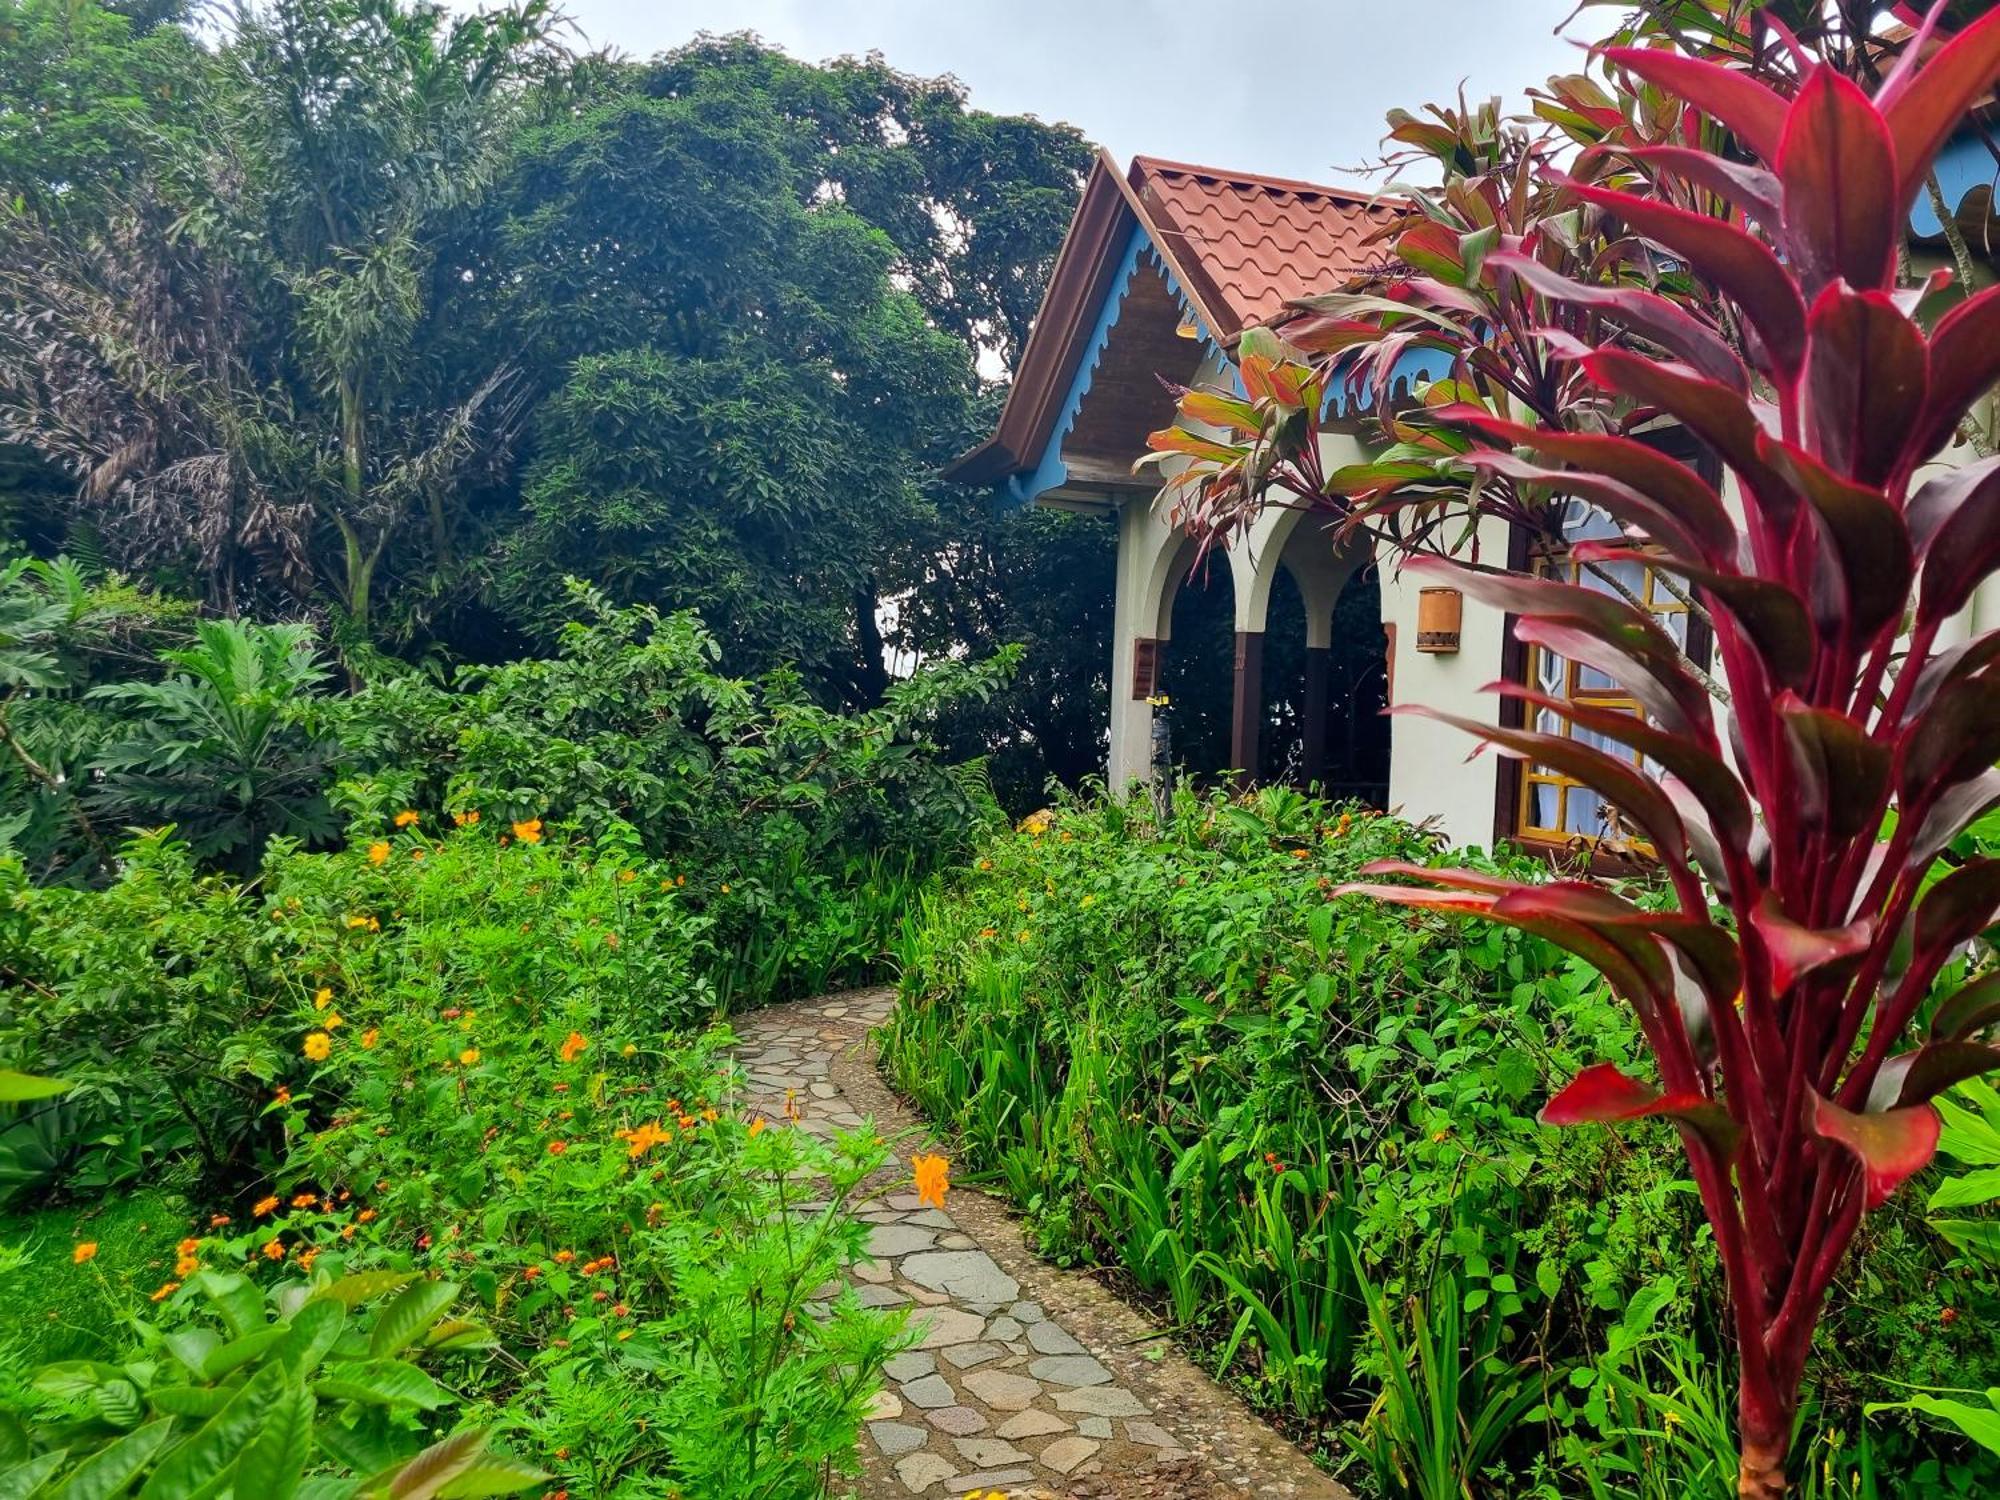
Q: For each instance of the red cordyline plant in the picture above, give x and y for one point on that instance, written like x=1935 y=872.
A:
x=1800 y=824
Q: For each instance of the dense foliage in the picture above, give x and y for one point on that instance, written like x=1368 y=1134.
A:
x=487 y=1172
x=1301 y=1123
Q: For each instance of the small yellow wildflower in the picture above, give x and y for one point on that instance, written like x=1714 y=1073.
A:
x=626 y=877
x=725 y=887
x=322 y=997
x=470 y=1056
x=529 y=830
x=406 y=818
x=333 y=1020
x=378 y=853
x=932 y=1178
x=86 y=1250
x=630 y=1049
x=370 y=1036
x=319 y=1046
x=757 y=1126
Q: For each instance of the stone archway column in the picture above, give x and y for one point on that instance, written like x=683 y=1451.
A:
x=1246 y=714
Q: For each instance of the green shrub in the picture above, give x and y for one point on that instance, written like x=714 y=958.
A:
x=1188 y=1059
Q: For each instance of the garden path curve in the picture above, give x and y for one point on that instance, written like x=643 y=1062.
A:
x=1030 y=1380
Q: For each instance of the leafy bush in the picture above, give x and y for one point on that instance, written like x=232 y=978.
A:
x=472 y=1062
x=1298 y=1122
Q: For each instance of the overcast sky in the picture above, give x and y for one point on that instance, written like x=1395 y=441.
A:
x=1294 y=90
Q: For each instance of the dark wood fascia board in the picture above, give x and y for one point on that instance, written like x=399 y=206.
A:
x=1091 y=250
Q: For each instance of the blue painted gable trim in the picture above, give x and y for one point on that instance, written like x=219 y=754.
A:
x=1963 y=165
x=1050 y=471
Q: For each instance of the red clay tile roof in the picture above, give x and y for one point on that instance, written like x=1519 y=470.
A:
x=1257 y=241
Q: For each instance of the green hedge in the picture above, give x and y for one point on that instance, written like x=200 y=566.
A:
x=1304 y=1124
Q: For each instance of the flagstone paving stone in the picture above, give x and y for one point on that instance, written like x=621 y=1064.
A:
x=1003 y=1391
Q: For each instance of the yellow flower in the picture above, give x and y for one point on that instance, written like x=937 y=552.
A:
x=86 y=1250
x=573 y=1044
x=405 y=818
x=166 y=1290
x=319 y=1046
x=1088 y=899
x=529 y=830
x=630 y=1049
x=1022 y=936
x=626 y=877
x=757 y=1126
x=333 y=1019
x=187 y=1265
x=725 y=887
x=378 y=853
x=469 y=1056
x=932 y=1179
x=370 y=1036
x=322 y=997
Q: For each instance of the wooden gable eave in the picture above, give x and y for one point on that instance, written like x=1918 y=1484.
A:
x=1091 y=270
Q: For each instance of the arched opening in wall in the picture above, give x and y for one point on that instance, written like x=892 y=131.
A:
x=1357 y=691
x=1198 y=668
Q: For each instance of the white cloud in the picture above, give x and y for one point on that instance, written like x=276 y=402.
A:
x=1293 y=90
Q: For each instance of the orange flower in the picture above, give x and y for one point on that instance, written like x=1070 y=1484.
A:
x=989 y=932
x=370 y=1036
x=470 y=1056
x=532 y=1272
x=263 y=1206
x=465 y=819
x=347 y=1231
x=217 y=1221
x=757 y=1126
x=366 y=1216
x=187 y=1246
x=573 y=1044
x=932 y=1178
x=626 y=877
x=564 y=1257
x=378 y=853
x=556 y=1148
x=529 y=830
x=166 y=1290
x=406 y=818
x=318 y=1046
x=274 y=1250
x=304 y=1200
x=86 y=1250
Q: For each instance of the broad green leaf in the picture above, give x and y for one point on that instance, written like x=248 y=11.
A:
x=192 y=1347
x=275 y=1460
x=364 y=1286
x=235 y=1297
x=315 y=1329
x=403 y=1321
x=108 y=1471
x=239 y=1352
x=459 y=1333
x=189 y=1400
x=1981 y=1424
x=20 y=1088
x=1975 y=1236
x=381 y=1382
x=1973 y=1187
x=425 y=1476
x=493 y=1475
x=191 y=1467
x=21 y=1481
x=117 y=1401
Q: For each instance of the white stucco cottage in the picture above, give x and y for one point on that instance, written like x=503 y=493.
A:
x=1164 y=266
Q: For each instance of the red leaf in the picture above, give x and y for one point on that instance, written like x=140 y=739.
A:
x=1924 y=105
x=1964 y=363
x=1624 y=504
x=1973 y=1008
x=1712 y=412
x=1868 y=373
x=1870 y=542
x=1956 y=738
x=1954 y=523
x=1796 y=951
x=1677 y=489
x=1754 y=191
x=1737 y=262
x=1891 y=1146
x=1665 y=322
x=1839 y=172
x=1956 y=910
x=1771 y=619
x=1913 y=1077
x=1840 y=774
x=1755 y=112
x=1601 y=1095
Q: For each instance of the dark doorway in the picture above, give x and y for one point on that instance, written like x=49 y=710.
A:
x=1357 y=747
x=1198 y=674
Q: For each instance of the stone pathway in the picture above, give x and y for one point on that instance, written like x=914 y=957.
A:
x=1001 y=1393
